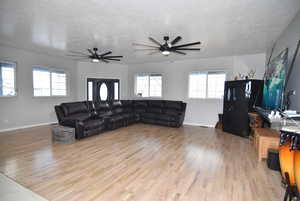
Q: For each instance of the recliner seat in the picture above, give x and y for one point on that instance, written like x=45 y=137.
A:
x=90 y=118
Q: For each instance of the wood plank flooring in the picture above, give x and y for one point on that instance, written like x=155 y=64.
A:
x=139 y=163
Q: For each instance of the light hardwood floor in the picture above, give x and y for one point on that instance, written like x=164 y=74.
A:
x=139 y=163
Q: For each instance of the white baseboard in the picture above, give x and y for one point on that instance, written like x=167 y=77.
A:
x=26 y=126
x=197 y=124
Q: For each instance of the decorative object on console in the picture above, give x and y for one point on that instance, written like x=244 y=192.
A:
x=167 y=47
x=94 y=56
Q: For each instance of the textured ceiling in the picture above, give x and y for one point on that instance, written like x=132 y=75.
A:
x=225 y=27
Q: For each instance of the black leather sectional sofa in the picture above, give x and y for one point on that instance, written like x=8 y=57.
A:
x=89 y=118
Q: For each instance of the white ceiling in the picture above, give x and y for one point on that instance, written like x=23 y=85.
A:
x=225 y=27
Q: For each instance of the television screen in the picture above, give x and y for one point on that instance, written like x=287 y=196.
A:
x=274 y=81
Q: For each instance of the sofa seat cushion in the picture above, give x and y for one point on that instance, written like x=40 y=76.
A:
x=116 y=118
x=154 y=110
x=117 y=110
x=173 y=112
x=128 y=115
x=167 y=117
x=140 y=110
x=93 y=123
x=163 y=117
x=149 y=115
x=104 y=114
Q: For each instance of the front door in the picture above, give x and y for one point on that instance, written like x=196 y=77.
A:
x=99 y=90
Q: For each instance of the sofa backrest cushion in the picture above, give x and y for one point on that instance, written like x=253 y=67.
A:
x=102 y=106
x=173 y=105
x=127 y=106
x=156 y=103
x=117 y=107
x=74 y=107
x=140 y=103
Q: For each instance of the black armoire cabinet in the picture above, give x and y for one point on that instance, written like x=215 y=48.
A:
x=240 y=97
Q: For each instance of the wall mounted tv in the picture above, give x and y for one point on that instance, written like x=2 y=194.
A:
x=274 y=81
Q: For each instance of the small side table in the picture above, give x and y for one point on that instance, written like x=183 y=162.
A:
x=265 y=139
x=255 y=121
x=62 y=134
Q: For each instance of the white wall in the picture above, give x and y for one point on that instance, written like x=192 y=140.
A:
x=175 y=81
x=101 y=70
x=24 y=109
x=289 y=39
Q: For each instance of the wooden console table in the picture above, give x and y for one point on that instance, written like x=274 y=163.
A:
x=265 y=139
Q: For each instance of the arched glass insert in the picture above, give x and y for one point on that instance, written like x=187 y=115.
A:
x=103 y=92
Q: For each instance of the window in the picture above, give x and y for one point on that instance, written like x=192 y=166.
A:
x=7 y=79
x=58 y=83
x=47 y=82
x=206 y=84
x=149 y=85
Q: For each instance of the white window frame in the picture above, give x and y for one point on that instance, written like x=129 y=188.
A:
x=51 y=70
x=206 y=89
x=15 y=77
x=147 y=74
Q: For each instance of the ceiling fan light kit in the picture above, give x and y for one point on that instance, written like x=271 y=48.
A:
x=167 y=47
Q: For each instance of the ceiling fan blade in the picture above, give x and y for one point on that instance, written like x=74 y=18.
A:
x=138 y=44
x=154 y=41
x=81 y=59
x=91 y=52
x=151 y=53
x=179 y=52
x=145 y=49
x=73 y=55
x=187 y=49
x=113 y=59
x=188 y=44
x=75 y=52
x=105 y=61
x=178 y=38
x=106 y=53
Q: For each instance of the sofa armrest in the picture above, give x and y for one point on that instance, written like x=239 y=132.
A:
x=182 y=115
x=77 y=124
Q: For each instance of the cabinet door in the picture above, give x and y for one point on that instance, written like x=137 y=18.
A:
x=235 y=114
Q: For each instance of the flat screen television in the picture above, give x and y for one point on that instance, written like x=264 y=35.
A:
x=274 y=82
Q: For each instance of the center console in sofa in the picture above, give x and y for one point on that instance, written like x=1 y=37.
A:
x=89 y=118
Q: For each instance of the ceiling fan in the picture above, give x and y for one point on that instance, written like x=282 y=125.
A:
x=167 y=47
x=94 y=56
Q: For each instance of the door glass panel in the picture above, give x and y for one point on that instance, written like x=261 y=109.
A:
x=116 y=91
x=90 y=91
x=103 y=92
